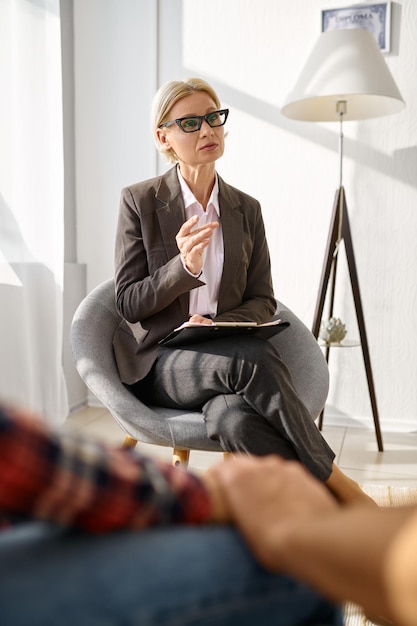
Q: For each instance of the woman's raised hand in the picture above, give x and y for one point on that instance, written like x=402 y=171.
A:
x=192 y=243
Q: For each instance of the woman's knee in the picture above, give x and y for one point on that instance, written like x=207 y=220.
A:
x=239 y=428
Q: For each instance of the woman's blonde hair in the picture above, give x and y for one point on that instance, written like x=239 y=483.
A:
x=168 y=95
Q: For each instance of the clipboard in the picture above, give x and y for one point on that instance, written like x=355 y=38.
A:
x=189 y=333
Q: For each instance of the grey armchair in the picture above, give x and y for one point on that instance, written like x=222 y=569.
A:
x=93 y=326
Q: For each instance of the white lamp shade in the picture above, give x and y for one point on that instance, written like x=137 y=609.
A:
x=345 y=65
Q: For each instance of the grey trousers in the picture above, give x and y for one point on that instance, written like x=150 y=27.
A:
x=246 y=394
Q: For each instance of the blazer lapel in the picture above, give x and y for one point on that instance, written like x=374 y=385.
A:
x=170 y=210
x=232 y=226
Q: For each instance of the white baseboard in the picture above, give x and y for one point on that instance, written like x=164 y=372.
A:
x=74 y=292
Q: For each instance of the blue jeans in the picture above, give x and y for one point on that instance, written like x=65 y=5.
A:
x=173 y=576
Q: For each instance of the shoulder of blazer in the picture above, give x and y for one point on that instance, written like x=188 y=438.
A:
x=165 y=188
x=235 y=197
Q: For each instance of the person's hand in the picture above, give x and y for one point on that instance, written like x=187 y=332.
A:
x=199 y=319
x=192 y=243
x=266 y=497
x=220 y=510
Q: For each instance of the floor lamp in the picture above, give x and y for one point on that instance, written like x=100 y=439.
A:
x=345 y=78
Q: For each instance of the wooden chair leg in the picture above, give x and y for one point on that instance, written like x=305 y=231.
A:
x=129 y=442
x=180 y=458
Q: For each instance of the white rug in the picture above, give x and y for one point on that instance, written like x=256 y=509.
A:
x=384 y=496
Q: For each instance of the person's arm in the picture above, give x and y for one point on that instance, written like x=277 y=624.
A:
x=292 y=524
x=401 y=572
x=154 y=262
x=343 y=555
x=147 y=280
x=78 y=482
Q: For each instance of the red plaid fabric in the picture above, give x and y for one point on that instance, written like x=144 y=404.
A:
x=74 y=481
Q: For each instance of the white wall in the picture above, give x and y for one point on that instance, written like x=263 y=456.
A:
x=115 y=71
x=252 y=53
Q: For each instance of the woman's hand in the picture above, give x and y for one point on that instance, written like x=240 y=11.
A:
x=199 y=319
x=192 y=243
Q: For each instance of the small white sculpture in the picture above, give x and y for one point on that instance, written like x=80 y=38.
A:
x=332 y=330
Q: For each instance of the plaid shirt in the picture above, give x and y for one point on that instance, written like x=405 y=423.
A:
x=73 y=481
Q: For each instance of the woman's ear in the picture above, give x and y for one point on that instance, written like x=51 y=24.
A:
x=163 y=139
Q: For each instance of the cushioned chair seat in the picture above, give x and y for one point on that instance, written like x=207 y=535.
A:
x=92 y=330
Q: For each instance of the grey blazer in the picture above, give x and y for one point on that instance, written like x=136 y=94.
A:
x=152 y=287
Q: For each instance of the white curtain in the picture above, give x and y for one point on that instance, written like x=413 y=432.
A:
x=31 y=207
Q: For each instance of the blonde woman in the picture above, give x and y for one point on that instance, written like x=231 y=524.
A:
x=189 y=246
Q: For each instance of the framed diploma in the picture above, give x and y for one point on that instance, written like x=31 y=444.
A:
x=376 y=18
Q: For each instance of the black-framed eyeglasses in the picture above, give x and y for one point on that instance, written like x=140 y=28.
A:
x=192 y=123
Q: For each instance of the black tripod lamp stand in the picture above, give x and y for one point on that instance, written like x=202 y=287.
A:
x=345 y=78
